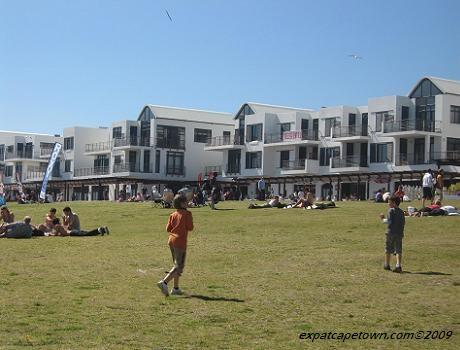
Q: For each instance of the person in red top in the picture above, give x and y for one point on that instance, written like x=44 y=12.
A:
x=179 y=224
x=399 y=193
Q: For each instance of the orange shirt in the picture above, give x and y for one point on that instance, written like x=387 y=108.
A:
x=179 y=223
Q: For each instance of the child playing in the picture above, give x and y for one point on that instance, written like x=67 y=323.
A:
x=395 y=233
x=179 y=224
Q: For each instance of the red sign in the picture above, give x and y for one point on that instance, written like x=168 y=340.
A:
x=292 y=136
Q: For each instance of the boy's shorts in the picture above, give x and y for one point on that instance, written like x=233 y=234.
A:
x=393 y=244
x=427 y=193
x=178 y=256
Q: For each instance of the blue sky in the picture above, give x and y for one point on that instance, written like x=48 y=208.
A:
x=90 y=62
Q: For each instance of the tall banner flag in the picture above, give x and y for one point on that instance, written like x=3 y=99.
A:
x=49 y=170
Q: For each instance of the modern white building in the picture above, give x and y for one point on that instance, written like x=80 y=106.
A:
x=346 y=150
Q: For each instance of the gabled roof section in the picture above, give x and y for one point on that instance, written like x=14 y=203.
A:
x=265 y=108
x=444 y=85
x=184 y=114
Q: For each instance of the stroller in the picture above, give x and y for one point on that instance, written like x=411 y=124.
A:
x=166 y=201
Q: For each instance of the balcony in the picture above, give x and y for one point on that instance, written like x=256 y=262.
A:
x=352 y=163
x=411 y=127
x=170 y=143
x=175 y=171
x=96 y=171
x=299 y=136
x=107 y=146
x=447 y=158
x=46 y=152
x=20 y=155
x=349 y=133
x=299 y=166
x=99 y=147
x=223 y=142
x=129 y=168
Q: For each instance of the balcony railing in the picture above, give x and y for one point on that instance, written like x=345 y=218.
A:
x=410 y=159
x=349 y=131
x=98 y=147
x=20 y=155
x=412 y=125
x=217 y=141
x=170 y=143
x=446 y=157
x=175 y=171
x=349 y=162
x=298 y=164
x=233 y=170
x=102 y=170
x=45 y=152
x=300 y=135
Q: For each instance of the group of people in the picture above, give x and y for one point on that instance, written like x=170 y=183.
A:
x=304 y=200
x=52 y=225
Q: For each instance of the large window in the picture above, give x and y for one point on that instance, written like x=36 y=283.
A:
x=2 y=152
x=8 y=171
x=67 y=166
x=253 y=160
x=117 y=133
x=170 y=137
x=381 y=152
x=454 y=115
x=254 y=132
x=202 y=135
x=383 y=118
x=328 y=125
x=453 y=144
x=325 y=155
x=68 y=143
x=175 y=163
x=157 y=161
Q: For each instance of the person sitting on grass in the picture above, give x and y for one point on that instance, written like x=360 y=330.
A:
x=306 y=201
x=6 y=215
x=71 y=223
x=395 y=220
x=17 y=229
x=48 y=225
x=180 y=223
x=272 y=203
x=400 y=193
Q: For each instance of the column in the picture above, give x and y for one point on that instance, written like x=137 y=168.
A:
x=427 y=149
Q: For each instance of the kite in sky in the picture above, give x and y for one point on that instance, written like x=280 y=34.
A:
x=355 y=56
x=169 y=15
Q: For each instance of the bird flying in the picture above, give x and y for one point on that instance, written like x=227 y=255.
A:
x=355 y=56
x=169 y=15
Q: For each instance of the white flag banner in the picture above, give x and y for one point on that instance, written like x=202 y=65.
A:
x=49 y=170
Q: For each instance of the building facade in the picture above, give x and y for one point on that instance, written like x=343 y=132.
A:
x=346 y=150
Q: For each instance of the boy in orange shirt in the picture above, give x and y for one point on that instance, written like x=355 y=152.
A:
x=179 y=224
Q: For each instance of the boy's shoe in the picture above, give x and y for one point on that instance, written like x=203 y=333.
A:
x=176 y=291
x=397 y=269
x=163 y=287
x=101 y=230
x=107 y=232
x=387 y=267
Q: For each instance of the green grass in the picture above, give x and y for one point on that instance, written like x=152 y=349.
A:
x=255 y=279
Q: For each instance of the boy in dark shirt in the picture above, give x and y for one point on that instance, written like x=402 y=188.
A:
x=395 y=233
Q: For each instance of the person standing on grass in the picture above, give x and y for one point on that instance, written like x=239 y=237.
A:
x=261 y=189
x=427 y=183
x=440 y=184
x=179 y=224
x=395 y=233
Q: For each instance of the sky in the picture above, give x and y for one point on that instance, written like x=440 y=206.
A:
x=92 y=62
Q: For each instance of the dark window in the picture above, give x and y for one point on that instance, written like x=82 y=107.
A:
x=326 y=153
x=146 y=161
x=404 y=113
x=381 y=118
x=253 y=160
x=145 y=133
x=146 y=115
x=101 y=161
x=424 y=89
x=68 y=143
x=133 y=135
x=202 y=135
x=170 y=137
x=285 y=127
x=117 y=133
x=329 y=124
x=226 y=136
x=234 y=161
x=364 y=124
x=8 y=171
x=117 y=160
x=57 y=168
x=67 y=166
x=302 y=152
x=29 y=150
x=175 y=163
x=381 y=152
x=284 y=159
x=313 y=154
x=2 y=152
x=304 y=125
x=254 y=132
x=18 y=168
x=351 y=119
x=455 y=114
x=157 y=161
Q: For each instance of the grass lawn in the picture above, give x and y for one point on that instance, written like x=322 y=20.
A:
x=254 y=279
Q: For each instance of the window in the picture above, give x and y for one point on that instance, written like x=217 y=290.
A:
x=202 y=135
x=157 y=161
x=57 y=168
x=18 y=169
x=234 y=161
x=68 y=143
x=329 y=123
x=117 y=133
x=325 y=155
x=254 y=132
x=253 y=160
x=117 y=160
x=304 y=124
x=383 y=118
x=285 y=127
x=284 y=159
x=381 y=152
x=170 y=137
x=146 y=161
x=101 y=161
x=67 y=166
x=424 y=89
x=2 y=152
x=453 y=144
x=175 y=163
x=8 y=171
x=454 y=115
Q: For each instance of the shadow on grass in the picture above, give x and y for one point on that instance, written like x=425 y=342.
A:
x=429 y=273
x=208 y=298
x=224 y=209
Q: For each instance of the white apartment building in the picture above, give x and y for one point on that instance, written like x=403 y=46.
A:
x=346 y=150
x=24 y=156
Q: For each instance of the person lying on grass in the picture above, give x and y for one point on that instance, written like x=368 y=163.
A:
x=272 y=203
x=17 y=229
